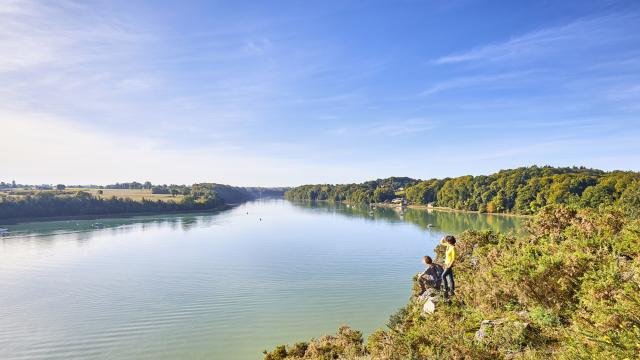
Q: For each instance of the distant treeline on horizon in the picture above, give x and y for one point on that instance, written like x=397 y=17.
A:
x=134 y=185
x=21 y=202
x=523 y=190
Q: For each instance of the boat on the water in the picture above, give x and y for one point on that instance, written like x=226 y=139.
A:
x=3 y=231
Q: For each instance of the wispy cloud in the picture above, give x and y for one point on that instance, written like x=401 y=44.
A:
x=391 y=128
x=591 y=32
x=478 y=80
x=403 y=127
x=576 y=70
x=32 y=35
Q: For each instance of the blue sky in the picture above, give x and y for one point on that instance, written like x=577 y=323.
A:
x=285 y=93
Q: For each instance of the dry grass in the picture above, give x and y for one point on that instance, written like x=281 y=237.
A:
x=133 y=194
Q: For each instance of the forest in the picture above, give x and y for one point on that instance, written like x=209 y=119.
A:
x=65 y=202
x=524 y=190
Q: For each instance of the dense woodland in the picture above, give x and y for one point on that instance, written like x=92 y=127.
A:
x=62 y=202
x=380 y=190
x=569 y=289
x=523 y=190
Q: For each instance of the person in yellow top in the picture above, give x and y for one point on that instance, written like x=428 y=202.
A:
x=449 y=259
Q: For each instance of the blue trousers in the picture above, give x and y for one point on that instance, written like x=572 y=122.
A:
x=447 y=278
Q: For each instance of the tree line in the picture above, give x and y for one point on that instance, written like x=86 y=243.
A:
x=379 y=190
x=524 y=190
x=204 y=196
x=50 y=204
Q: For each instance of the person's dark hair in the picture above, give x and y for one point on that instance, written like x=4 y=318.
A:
x=427 y=259
x=450 y=239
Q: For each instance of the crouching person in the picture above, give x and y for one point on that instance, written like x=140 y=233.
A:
x=431 y=276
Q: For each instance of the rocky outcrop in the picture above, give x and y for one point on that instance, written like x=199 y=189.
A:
x=431 y=299
x=430 y=305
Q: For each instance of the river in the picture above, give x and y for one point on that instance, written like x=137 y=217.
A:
x=223 y=286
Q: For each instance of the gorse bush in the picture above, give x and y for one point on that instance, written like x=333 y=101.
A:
x=346 y=344
x=569 y=289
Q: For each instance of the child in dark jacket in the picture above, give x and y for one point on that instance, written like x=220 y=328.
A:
x=431 y=277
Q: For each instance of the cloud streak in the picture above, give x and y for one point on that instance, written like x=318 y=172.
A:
x=588 y=32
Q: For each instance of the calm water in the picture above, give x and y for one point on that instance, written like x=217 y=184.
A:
x=215 y=286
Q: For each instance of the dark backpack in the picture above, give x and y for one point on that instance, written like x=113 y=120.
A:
x=439 y=270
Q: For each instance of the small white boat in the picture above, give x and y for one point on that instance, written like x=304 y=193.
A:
x=3 y=231
x=430 y=225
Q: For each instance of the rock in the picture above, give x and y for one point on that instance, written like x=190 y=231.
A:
x=507 y=334
x=427 y=294
x=485 y=327
x=429 y=306
x=474 y=261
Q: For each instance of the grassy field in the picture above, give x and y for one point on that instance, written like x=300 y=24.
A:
x=133 y=194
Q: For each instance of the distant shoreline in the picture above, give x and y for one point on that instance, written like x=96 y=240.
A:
x=441 y=208
x=14 y=221
x=423 y=207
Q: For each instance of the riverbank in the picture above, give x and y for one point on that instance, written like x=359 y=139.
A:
x=14 y=221
x=440 y=208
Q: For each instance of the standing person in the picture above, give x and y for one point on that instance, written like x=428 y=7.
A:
x=450 y=258
x=431 y=276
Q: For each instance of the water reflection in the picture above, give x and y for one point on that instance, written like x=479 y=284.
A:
x=432 y=220
x=84 y=228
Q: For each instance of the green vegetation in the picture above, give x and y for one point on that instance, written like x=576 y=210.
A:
x=66 y=201
x=523 y=190
x=570 y=289
x=371 y=191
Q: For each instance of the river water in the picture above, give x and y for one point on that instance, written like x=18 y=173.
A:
x=211 y=286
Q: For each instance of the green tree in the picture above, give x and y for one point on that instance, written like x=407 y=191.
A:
x=383 y=194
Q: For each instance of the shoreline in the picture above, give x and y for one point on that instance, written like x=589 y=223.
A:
x=422 y=207
x=442 y=208
x=15 y=221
